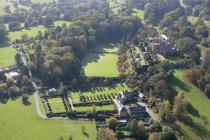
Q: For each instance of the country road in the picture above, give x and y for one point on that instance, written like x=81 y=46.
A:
x=36 y=93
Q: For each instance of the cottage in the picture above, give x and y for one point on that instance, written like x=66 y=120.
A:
x=162 y=45
x=13 y=76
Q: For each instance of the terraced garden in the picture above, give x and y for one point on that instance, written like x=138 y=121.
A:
x=98 y=94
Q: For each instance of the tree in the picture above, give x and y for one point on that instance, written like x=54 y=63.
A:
x=25 y=99
x=137 y=129
x=105 y=134
x=168 y=136
x=18 y=60
x=180 y=105
x=3 y=34
x=154 y=136
x=207 y=90
x=112 y=123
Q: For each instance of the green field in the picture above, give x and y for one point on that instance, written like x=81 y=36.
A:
x=19 y=122
x=90 y=108
x=138 y=13
x=60 y=23
x=100 y=65
x=57 y=105
x=42 y=1
x=32 y=32
x=7 y=56
x=195 y=129
x=2 y=4
x=97 y=92
x=101 y=61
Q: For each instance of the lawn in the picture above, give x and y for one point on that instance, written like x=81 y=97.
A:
x=42 y=1
x=90 y=108
x=7 y=56
x=2 y=4
x=57 y=105
x=19 y=122
x=97 y=92
x=101 y=61
x=195 y=128
x=138 y=13
x=32 y=32
x=100 y=65
x=60 y=23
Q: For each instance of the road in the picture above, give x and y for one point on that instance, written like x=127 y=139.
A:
x=36 y=93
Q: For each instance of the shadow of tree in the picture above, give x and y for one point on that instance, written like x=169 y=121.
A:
x=200 y=130
x=193 y=111
x=182 y=85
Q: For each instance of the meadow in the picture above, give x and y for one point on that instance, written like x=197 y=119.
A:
x=42 y=1
x=102 y=61
x=32 y=32
x=195 y=126
x=7 y=56
x=20 y=121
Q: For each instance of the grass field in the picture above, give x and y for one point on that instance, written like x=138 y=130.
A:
x=90 y=108
x=57 y=105
x=100 y=65
x=101 y=61
x=7 y=56
x=98 y=91
x=19 y=122
x=195 y=129
x=2 y=4
x=31 y=33
x=138 y=13
x=60 y=23
x=42 y=1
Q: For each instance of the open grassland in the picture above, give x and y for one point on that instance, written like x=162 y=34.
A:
x=21 y=122
x=32 y=32
x=138 y=13
x=7 y=56
x=56 y=105
x=60 y=23
x=193 y=20
x=2 y=4
x=90 y=108
x=101 y=91
x=101 y=65
x=102 y=61
x=195 y=127
x=42 y=1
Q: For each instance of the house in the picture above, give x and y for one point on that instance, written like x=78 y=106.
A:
x=126 y=105
x=162 y=45
x=13 y=76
